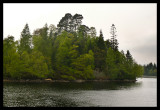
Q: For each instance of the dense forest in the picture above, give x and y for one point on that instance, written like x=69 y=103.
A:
x=150 y=69
x=69 y=51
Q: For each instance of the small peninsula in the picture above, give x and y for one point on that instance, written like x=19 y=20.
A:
x=69 y=51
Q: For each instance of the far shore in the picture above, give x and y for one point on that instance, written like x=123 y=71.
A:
x=149 y=76
x=78 y=81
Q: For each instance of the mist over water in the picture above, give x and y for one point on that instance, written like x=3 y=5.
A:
x=143 y=92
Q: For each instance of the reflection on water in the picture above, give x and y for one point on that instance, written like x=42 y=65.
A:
x=71 y=94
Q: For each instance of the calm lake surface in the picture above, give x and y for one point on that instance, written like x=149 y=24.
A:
x=143 y=92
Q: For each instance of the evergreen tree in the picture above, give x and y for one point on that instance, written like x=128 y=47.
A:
x=44 y=32
x=129 y=56
x=108 y=44
x=65 y=23
x=150 y=69
x=77 y=21
x=25 y=41
x=114 y=41
x=69 y=23
x=100 y=53
x=101 y=43
x=82 y=39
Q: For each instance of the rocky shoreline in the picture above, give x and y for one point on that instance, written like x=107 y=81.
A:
x=78 y=81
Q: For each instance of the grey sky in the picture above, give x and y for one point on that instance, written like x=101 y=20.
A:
x=136 y=23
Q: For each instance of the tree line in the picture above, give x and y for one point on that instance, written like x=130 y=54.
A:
x=150 y=69
x=69 y=51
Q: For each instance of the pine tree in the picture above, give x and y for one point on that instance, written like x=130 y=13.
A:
x=69 y=23
x=100 y=53
x=101 y=43
x=77 y=21
x=114 y=42
x=25 y=41
x=129 y=56
x=44 y=32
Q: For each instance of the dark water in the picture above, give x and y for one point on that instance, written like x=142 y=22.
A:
x=102 y=94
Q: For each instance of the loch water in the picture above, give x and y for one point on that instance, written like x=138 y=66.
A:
x=142 y=93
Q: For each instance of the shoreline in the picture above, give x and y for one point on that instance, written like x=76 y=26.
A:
x=149 y=76
x=77 y=81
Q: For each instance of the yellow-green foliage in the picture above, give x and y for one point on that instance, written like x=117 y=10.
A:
x=68 y=55
x=65 y=77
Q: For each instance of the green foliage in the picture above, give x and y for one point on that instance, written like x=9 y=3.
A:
x=43 y=43
x=71 y=51
x=99 y=56
x=64 y=49
x=10 y=57
x=111 y=68
x=120 y=67
x=150 y=69
x=65 y=77
x=100 y=52
x=25 y=41
x=38 y=65
x=84 y=65
x=100 y=42
x=25 y=66
x=138 y=70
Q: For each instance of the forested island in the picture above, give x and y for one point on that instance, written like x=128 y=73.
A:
x=71 y=51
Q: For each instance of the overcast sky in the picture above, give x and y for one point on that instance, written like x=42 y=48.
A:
x=136 y=23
